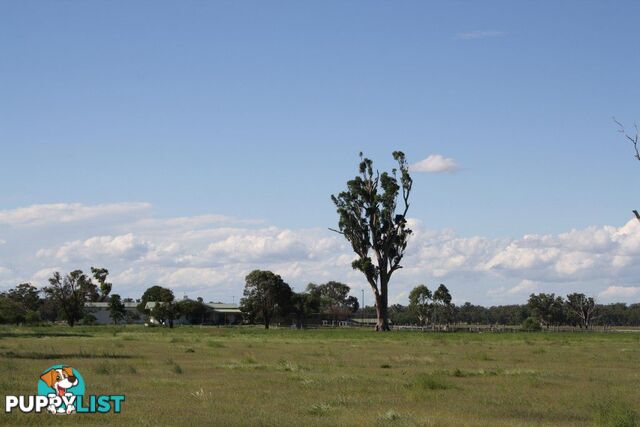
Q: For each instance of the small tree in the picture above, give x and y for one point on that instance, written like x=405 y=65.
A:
x=117 y=312
x=303 y=304
x=420 y=300
x=265 y=296
x=166 y=312
x=442 y=307
x=157 y=294
x=377 y=233
x=27 y=295
x=547 y=308
x=70 y=293
x=582 y=307
x=11 y=311
x=100 y=274
x=194 y=311
x=335 y=299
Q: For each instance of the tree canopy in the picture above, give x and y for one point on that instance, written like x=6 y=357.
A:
x=265 y=296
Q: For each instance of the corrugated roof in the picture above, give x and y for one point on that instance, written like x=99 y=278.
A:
x=223 y=308
x=102 y=304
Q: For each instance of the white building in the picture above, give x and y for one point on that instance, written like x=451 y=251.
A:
x=100 y=310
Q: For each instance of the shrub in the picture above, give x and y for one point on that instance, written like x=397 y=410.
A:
x=530 y=324
x=88 y=319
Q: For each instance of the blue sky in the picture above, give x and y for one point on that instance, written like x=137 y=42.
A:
x=257 y=110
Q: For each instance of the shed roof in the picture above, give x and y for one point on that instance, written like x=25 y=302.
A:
x=104 y=304
x=224 y=308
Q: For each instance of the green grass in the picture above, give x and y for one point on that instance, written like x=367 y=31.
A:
x=248 y=376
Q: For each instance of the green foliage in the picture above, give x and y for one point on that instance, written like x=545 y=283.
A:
x=160 y=296
x=88 y=319
x=442 y=307
x=547 y=308
x=27 y=295
x=194 y=311
x=368 y=220
x=582 y=307
x=420 y=303
x=11 y=311
x=70 y=293
x=117 y=310
x=265 y=295
x=531 y=324
x=334 y=299
x=166 y=312
x=32 y=317
x=304 y=304
x=100 y=274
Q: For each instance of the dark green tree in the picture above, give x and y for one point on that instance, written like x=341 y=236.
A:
x=266 y=295
x=582 y=307
x=371 y=220
x=117 y=311
x=420 y=303
x=101 y=274
x=11 y=311
x=547 y=308
x=304 y=304
x=157 y=294
x=27 y=295
x=335 y=300
x=194 y=311
x=442 y=307
x=166 y=312
x=70 y=293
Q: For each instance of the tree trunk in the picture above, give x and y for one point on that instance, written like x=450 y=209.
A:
x=381 y=310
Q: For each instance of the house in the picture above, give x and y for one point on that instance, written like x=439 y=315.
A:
x=216 y=313
x=224 y=314
x=100 y=310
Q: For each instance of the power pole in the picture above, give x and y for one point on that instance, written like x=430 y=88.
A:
x=363 y=307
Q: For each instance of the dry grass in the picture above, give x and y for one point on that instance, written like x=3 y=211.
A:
x=248 y=376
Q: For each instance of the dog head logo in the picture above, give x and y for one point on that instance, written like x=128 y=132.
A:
x=61 y=383
x=60 y=379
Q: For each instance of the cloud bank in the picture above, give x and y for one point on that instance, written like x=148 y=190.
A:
x=210 y=255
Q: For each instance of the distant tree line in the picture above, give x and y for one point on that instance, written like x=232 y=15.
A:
x=62 y=300
x=268 y=298
x=541 y=311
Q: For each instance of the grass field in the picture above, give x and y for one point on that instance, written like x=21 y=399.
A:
x=248 y=376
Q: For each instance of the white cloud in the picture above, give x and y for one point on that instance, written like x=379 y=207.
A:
x=127 y=247
x=524 y=287
x=475 y=35
x=210 y=256
x=67 y=213
x=615 y=293
x=435 y=163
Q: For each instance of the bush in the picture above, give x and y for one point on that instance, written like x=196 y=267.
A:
x=530 y=324
x=88 y=319
x=32 y=317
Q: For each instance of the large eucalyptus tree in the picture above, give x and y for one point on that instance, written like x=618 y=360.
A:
x=371 y=220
